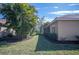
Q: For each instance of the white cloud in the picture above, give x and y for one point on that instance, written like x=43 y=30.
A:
x=76 y=11
x=64 y=12
x=42 y=8
x=47 y=7
x=55 y=7
x=73 y=4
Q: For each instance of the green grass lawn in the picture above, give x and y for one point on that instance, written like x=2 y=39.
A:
x=38 y=45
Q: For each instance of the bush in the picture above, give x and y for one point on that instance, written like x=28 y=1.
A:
x=9 y=35
x=77 y=36
x=51 y=36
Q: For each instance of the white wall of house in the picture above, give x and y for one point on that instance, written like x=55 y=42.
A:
x=68 y=29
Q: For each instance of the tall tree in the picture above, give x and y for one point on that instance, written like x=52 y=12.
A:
x=20 y=16
x=40 y=23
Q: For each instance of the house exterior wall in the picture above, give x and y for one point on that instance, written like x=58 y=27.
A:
x=54 y=28
x=68 y=29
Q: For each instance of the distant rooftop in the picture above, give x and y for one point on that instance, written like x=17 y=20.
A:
x=2 y=21
x=68 y=17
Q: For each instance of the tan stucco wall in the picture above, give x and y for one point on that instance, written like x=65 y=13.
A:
x=67 y=29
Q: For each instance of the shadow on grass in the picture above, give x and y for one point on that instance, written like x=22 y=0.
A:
x=7 y=40
x=4 y=44
x=44 y=45
x=13 y=39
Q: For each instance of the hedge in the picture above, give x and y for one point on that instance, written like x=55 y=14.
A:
x=51 y=36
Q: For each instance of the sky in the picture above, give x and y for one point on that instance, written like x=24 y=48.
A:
x=52 y=10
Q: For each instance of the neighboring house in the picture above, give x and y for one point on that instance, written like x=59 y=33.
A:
x=66 y=27
x=3 y=29
x=3 y=32
x=46 y=28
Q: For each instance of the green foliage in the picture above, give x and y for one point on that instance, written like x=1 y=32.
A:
x=51 y=36
x=77 y=36
x=20 y=16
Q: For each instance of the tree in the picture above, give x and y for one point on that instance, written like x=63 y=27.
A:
x=19 y=16
x=40 y=24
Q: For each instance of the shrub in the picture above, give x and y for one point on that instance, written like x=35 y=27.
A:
x=77 y=36
x=51 y=36
x=9 y=35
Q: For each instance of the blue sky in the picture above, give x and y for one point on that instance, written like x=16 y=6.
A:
x=53 y=10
